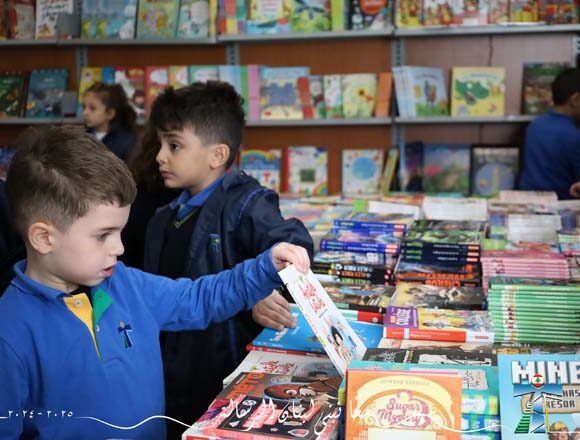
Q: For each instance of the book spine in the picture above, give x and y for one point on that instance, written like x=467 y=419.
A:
x=251 y=347
x=425 y=335
x=334 y=245
x=303 y=85
x=254 y=92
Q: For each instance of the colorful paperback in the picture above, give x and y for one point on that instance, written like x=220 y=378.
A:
x=157 y=18
x=307 y=170
x=117 y=19
x=47 y=12
x=194 y=16
x=279 y=97
x=435 y=297
x=428 y=91
x=361 y=171
x=478 y=91
x=539 y=396
x=310 y=16
x=339 y=340
x=358 y=95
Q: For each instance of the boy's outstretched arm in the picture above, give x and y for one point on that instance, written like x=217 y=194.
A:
x=184 y=304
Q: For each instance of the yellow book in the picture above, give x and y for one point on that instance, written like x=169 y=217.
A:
x=478 y=91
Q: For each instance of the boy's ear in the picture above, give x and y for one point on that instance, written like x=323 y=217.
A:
x=111 y=113
x=40 y=237
x=219 y=155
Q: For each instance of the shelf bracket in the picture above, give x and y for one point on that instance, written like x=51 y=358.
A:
x=233 y=53
x=576 y=50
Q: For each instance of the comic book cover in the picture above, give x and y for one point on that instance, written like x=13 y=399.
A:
x=434 y=297
x=539 y=396
x=339 y=340
x=402 y=405
x=374 y=298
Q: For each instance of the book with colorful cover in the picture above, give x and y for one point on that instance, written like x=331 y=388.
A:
x=372 y=220
x=409 y=13
x=537 y=85
x=243 y=416
x=12 y=94
x=279 y=363
x=525 y=11
x=402 y=404
x=498 y=11
x=361 y=171
x=317 y=96
x=21 y=19
x=478 y=91
x=307 y=170
x=475 y=13
x=157 y=18
x=45 y=91
x=411 y=166
x=336 y=335
x=194 y=16
x=263 y=165
x=310 y=16
x=451 y=237
x=479 y=388
x=434 y=297
x=436 y=355
x=493 y=168
x=539 y=396
x=346 y=240
x=89 y=16
x=438 y=324
x=442 y=12
x=6 y=155
x=558 y=11
x=203 y=73
x=367 y=261
x=117 y=19
x=359 y=91
x=370 y=14
x=374 y=298
x=333 y=96
x=535 y=284
x=178 y=76
x=446 y=168
x=156 y=80
x=268 y=16
x=132 y=79
x=429 y=92
x=449 y=225
x=279 y=96
x=47 y=12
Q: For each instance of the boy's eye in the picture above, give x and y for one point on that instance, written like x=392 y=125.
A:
x=174 y=146
x=103 y=237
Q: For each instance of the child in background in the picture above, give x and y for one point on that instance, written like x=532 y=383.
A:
x=108 y=115
x=221 y=218
x=79 y=332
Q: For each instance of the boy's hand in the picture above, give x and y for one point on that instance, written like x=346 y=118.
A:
x=284 y=254
x=274 y=312
x=575 y=189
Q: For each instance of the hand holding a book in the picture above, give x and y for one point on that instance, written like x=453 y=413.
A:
x=284 y=254
x=274 y=312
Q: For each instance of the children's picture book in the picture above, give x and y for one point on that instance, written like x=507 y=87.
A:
x=525 y=11
x=317 y=96
x=370 y=14
x=438 y=324
x=21 y=19
x=498 y=11
x=307 y=170
x=333 y=96
x=263 y=165
x=339 y=340
x=446 y=168
x=268 y=16
x=89 y=16
x=404 y=405
x=358 y=95
x=479 y=387
x=193 y=19
x=47 y=12
x=89 y=76
x=361 y=171
x=537 y=85
x=539 y=396
x=310 y=16
x=45 y=91
x=442 y=12
x=157 y=18
x=203 y=73
x=558 y=12
x=428 y=91
x=279 y=363
x=493 y=168
x=156 y=80
x=435 y=297
x=409 y=13
x=117 y=19
x=411 y=166
x=279 y=96
x=132 y=79
x=12 y=94
x=178 y=76
x=478 y=91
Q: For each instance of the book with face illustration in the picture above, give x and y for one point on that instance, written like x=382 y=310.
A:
x=335 y=333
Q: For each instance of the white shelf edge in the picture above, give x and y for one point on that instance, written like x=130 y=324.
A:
x=465 y=119
x=485 y=30
x=318 y=122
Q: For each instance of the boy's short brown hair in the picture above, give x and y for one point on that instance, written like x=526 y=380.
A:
x=59 y=172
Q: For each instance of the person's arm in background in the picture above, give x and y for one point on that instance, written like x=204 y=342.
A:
x=575 y=187
x=262 y=226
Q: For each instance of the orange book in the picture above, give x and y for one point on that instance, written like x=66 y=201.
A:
x=384 y=90
x=402 y=405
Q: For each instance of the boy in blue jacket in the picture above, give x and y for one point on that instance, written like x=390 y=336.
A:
x=221 y=218
x=79 y=332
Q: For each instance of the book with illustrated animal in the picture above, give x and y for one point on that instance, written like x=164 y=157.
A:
x=428 y=91
x=478 y=91
x=279 y=95
x=157 y=18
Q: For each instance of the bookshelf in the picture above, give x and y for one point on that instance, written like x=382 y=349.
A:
x=326 y=53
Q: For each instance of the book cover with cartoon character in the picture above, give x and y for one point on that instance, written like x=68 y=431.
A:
x=478 y=91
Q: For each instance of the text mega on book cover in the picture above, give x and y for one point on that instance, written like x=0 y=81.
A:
x=540 y=396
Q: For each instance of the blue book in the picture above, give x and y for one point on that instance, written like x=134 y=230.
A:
x=479 y=383
x=117 y=19
x=302 y=338
x=45 y=91
x=539 y=396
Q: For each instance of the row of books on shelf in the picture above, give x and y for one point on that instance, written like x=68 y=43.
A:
x=480 y=170
x=292 y=93
x=127 y=19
